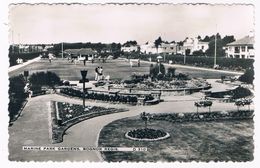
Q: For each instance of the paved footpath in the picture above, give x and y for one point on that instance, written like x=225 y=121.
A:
x=32 y=128
x=15 y=67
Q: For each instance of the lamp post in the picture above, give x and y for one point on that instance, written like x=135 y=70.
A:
x=84 y=74
x=159 y=62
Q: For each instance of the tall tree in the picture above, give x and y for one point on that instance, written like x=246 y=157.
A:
x=158 y=42
x=206 y=39
x=228 y=39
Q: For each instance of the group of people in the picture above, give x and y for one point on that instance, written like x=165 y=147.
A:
x=99 y=73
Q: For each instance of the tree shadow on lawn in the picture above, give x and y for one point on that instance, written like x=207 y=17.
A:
x=190 y=141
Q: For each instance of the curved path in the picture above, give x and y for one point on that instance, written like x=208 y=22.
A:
x=32 y=128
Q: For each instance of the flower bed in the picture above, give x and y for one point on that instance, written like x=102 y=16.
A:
x=92 y=95
x=147 y=134
x=64 y=115
x=174 y=84
x=206 y=116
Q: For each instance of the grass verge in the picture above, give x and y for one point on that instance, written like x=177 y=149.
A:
x=189 y=141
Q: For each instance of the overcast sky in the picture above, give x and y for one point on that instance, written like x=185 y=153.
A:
x=119 y=23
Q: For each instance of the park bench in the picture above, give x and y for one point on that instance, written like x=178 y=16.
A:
x=152 y=102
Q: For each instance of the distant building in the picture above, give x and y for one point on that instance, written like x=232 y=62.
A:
x=193 y=44
x=148 y=48
x=48 y=47
x=24 y=48
x=81 y=54
x=130 y=48
x=242 y=48
x=19 y=61
x=166 y=48
x=28 y=48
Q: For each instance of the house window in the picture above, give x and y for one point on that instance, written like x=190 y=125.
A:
x=202 y=47
x=231 y=56
x=236 y=49
x=236 y=56
x=243 y=49
x=249 y=48
x=171 y=48
x=243 y=56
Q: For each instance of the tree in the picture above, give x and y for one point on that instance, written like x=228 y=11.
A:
x=248 y=76
x=130 y=43
x=171 y=71
x=228 y=39
x=211 y=50
x=206 y=39
x=158 y=42
x=198 y=53
x=154 y=71
x=17 y=95
x=44 y=78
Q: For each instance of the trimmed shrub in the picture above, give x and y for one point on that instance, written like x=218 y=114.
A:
x=248 y=76
x=45 y=78
x=201 y=61
x=17 y=95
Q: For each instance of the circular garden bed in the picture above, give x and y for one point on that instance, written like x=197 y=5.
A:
x=147 y=134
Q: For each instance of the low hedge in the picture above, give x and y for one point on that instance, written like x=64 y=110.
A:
x=205 y=116
x=201 y=61
x=130 y=99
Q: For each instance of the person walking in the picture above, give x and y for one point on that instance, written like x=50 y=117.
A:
x=100 y=73
x=131 y=63
x=96 y=73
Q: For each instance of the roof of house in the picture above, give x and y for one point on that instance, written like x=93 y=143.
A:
x=82 y=51
x=248 y=40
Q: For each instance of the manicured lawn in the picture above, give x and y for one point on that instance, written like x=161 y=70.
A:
x=117 y=69
x=198 y=141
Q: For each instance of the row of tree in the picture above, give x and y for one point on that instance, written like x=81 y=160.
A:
x=220 y=43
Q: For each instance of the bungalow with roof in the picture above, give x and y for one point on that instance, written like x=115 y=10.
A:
x=193 y=44
x=242 y=48
x=163 y=48
x=81 y=54
x=130 y=48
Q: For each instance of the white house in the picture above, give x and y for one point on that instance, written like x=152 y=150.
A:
x=242 y=48
x=193 y=44
x=168 y=48
x=129 y=48
x=150 y=48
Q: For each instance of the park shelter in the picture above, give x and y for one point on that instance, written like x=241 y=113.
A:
x=81 y=54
